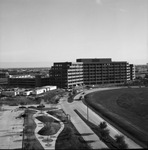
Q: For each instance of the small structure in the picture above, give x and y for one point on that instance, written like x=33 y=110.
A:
x=38 y=91
x=10 y=93
x=26 y=93
x=50 y=88
x=41 y=90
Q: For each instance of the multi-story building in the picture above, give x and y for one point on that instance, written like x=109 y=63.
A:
x=91 y=72
x=66 y=74
x=102 y=71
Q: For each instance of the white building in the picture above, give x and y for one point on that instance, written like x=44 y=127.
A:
x=43 y=89
x=38 y=91
x=26 y=93
x=50 y=88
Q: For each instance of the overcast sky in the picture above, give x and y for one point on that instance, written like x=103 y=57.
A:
x=37 y=33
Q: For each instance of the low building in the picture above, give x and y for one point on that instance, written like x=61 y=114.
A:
x=26 y=93
x=41 y=90
x=28 y=81
x=4 y=78
x=50 y=88
x=10 y=93
x=38 y=91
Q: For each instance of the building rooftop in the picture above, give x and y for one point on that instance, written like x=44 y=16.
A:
x=22 y=76
x=101 y=60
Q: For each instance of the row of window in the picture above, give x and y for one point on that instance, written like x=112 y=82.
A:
x=76 y=82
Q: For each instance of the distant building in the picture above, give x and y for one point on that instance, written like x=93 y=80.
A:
x=141 y=70
x=91 y=72
x=10 y=92
x=28 y=81
x=4 y=78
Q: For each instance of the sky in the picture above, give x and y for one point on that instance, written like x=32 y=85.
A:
x=36 y=33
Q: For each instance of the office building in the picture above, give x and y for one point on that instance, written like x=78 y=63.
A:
x=66 y=74
x=106 y=71
x=91 y=72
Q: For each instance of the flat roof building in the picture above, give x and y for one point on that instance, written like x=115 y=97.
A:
x=91 y=72
x=104 y=70
x=4 y=78
x=28 y=81
x=66 y=74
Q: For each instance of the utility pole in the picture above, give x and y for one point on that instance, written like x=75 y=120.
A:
x=87 y=113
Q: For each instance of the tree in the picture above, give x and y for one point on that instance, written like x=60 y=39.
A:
x=120 y=142
x=74 y=91
x=119 y=138
x=102 y=125
x=146 y=76
x=104 y=133
x=41 y=106
x=103 y=129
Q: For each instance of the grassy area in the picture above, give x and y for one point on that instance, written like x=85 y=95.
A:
x=51 y=126
x=50 y=129
x=124 y=108
x=58 y=114
x=69 y=138
x=45 y=119
x=30 y=142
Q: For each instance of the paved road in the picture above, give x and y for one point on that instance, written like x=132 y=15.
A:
x=96 y=119
x=87 y=134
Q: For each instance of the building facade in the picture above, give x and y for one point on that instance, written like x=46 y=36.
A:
x=4 y=78
x=66 y=74
x=28 y=81
x=106 y=71
x=91 y=72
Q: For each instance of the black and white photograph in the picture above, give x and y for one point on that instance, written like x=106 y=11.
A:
x=73 y=74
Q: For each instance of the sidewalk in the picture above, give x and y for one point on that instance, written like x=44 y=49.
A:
x=51 y=144
x=88 y=135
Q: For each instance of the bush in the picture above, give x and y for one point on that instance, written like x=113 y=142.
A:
x=32 y=107
x=104 y=133
x=103 y=125
x=120 y=142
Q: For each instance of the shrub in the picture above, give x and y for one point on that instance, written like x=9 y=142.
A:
x=102 y=125
x=120 y=142
x=104 y=133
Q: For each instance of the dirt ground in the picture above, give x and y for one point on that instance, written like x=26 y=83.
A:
x=10 y=128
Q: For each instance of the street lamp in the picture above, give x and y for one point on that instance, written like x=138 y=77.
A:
x=87 y=112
